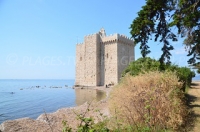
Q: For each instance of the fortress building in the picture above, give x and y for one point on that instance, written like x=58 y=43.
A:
x=101 y=59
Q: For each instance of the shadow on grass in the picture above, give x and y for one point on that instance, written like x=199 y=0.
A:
x=194 y=88
x=190 y=99
x=192 y=117
x=195 y=84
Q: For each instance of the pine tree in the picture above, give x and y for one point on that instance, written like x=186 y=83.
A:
x=156 y=20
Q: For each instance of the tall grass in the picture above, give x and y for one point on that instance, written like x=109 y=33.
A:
x=147 y=64
x=152 y=101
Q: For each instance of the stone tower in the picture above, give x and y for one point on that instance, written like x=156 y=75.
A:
x=101 y=59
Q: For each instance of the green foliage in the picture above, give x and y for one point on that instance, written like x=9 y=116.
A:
x=157 y=20
x=66 y=127
x=143 y=65
x=197 y=65
x=87 y=123
x=185 y=75
x=151 y=21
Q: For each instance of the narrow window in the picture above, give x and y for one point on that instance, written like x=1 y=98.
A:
x=80 y=58
x=107 y=55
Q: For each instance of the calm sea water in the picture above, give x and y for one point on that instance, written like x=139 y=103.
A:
x=23 y=98
x=196 y=78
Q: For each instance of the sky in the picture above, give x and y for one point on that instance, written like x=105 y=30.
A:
x=38 y=37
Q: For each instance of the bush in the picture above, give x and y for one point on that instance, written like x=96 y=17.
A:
x=152 y=101
x=185 y=75
x=143 y=65
x=87 y=124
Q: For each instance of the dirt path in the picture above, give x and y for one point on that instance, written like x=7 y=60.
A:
x=194 y=94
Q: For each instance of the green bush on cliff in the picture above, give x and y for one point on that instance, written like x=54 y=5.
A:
x=143 y=65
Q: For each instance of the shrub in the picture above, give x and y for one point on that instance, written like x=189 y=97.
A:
x=87 y=124
x=143 y=65
x=152 y=101
x=185 y=75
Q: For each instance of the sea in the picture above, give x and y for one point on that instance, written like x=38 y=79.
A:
x=196 y=78
x=31 y=98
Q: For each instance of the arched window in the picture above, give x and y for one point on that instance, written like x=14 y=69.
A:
x=107 y=55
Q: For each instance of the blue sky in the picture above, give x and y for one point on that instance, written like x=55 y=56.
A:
x=38 y=37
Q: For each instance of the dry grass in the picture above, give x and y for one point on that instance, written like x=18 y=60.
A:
x=152 y=100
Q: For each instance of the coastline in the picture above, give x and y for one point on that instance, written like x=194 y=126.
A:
x=196 y=81
x=49 y=121
x=53 y=121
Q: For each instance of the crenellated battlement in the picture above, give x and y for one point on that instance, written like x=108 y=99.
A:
x=109 y=39
x=91 y=35
x=124 y=39
x=79 y=43
x=119 y=38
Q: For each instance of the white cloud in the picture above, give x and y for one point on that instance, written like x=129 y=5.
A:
x=180 y=51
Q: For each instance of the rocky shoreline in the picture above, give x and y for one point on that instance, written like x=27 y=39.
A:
x=53 y=121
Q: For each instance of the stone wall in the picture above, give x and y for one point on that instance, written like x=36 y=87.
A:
x=125 y=55
x=80 y=64
x=101 y=59
x=90 y=61
x=98 y=60
x=110 y=63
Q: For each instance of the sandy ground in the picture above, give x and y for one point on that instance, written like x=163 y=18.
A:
x=52 y=122
x=194 y=94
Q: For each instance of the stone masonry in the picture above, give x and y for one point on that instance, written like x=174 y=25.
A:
x=101 y=59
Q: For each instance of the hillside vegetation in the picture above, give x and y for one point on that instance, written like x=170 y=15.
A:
x=152 y=101
x=149 y=98
x=143 y=65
